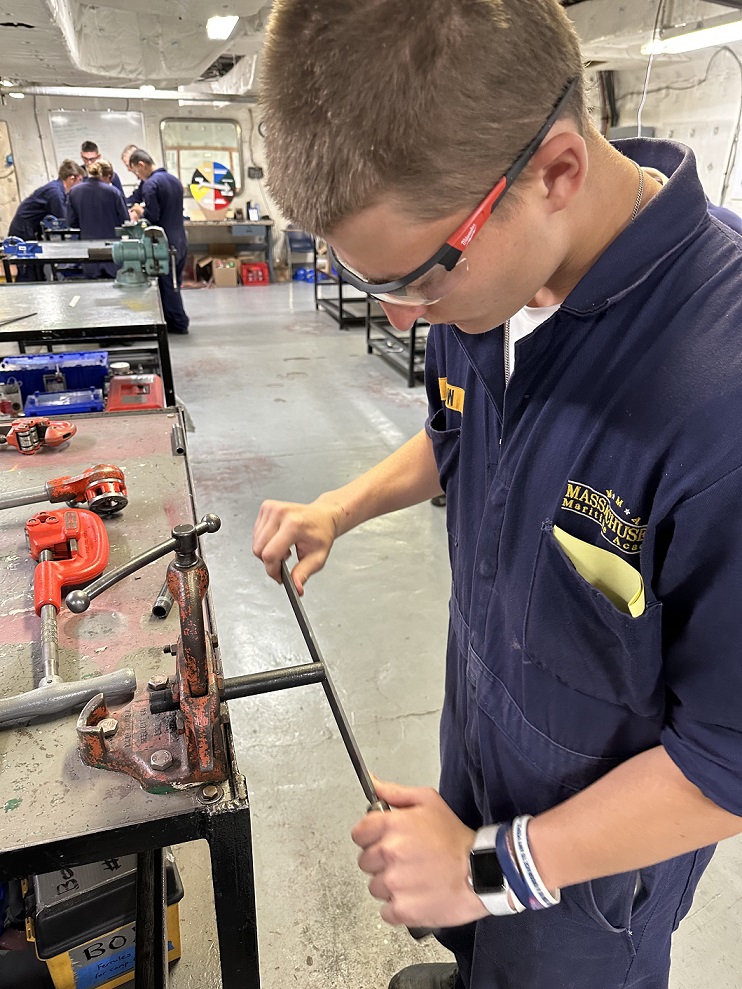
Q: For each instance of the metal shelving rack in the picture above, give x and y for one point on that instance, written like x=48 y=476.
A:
x=405 y=353
x=347 y=310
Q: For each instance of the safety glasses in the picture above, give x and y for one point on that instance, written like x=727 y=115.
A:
x=441 y=273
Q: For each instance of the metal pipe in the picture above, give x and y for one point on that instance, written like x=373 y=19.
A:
x=177 y=440
x=249 y=685
x=163 y=602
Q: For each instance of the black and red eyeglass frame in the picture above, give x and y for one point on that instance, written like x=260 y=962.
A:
x=450 y=253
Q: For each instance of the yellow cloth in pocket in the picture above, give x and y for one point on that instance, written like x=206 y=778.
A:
x=608 y=573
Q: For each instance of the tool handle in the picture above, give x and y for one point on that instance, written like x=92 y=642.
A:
x=79 y=601
x=418 y=933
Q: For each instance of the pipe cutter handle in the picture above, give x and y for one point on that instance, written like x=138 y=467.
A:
x=79 y=544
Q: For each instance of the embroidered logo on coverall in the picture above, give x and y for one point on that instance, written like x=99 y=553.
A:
x=607 y=509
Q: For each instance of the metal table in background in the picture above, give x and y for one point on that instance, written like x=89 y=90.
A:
x=252 y=235
x=58 y=812
x=405 y=352
x=61 y=313
x=53 y=253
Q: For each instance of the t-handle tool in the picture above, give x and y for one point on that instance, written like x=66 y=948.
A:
x=364 y=777
x=28 y=436
x=70 y=547
x=101 y=489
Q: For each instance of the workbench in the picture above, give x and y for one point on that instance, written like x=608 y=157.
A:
x=52 y=253
x=84 y=312
x=208 y=236
x=58 y=812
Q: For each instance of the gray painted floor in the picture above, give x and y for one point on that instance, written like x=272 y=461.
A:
x=285 y=406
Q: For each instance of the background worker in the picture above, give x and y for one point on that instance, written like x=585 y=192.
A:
x=136 y=199
x=90 y=154
x=47 y=200
x=591 y=733
x=97 y=208
x=163 y=206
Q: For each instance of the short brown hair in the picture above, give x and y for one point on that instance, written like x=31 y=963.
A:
x=69 y=169
x=428 y=101
x=100 y=169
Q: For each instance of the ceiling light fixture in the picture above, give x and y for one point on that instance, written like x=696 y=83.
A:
x=17 y=96
x=147 y=90
x=690 y=41
x=220 y=28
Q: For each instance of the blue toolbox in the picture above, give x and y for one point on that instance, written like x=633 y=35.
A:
x=64 y=402
x=70 y=371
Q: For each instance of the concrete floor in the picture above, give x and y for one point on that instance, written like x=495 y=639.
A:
x=285 y=406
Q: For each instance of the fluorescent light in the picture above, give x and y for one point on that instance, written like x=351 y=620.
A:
x=17 y=96
x=174 y=95
x=147 y=90
x=6 y=82
x=721 y=34
x=220 y=28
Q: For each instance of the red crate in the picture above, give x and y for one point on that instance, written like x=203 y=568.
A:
x=255 y=273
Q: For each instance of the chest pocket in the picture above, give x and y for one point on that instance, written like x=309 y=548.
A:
x=587 y=623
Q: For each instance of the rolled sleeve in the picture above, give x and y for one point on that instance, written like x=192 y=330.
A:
x=700 y=586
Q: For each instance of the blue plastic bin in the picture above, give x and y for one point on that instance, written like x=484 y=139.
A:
x=64 y=402
x=71 y=371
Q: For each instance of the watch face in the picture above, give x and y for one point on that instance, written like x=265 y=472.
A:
x=486 y=874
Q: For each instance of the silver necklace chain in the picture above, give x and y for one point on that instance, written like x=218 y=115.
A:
x=639 y=195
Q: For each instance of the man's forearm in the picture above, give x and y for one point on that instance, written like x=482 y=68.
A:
x=405 y=478
x=643 y=812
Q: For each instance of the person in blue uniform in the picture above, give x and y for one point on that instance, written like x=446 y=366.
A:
x=97 y=208
x=584 y=381
x=136 y=199
x=163 y=207
x=47 y=200
x=90 y=154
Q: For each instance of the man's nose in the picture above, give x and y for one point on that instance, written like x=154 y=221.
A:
x=402 y=317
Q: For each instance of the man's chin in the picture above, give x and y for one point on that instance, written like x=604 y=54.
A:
x=473 y=326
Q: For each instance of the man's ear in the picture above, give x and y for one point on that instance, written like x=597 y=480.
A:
x=559 y=167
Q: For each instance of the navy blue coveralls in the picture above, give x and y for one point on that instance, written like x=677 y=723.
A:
x=620 y=432
x=97 y=208
x=48 y=200
x=163 y=206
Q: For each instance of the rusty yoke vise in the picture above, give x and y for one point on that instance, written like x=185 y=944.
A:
x=183 y=745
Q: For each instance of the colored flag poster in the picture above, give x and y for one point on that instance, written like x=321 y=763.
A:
x=213 y=186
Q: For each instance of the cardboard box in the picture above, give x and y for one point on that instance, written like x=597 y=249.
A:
x=223 y=272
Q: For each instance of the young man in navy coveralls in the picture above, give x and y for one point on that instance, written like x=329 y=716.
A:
x=163 y=207
x=593 y=474
x=47 y=200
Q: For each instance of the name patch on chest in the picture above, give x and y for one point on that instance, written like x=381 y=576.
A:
x=452 y=395
x=619 y=526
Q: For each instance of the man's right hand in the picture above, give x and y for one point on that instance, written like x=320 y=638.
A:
x=312 y=529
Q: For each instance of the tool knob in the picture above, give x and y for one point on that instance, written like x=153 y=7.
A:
x=77 y=601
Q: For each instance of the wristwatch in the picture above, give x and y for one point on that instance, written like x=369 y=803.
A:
x=485 y=873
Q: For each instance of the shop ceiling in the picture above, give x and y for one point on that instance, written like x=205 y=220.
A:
x=163 y=43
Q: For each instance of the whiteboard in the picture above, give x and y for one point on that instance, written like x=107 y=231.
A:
x=111 y=130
